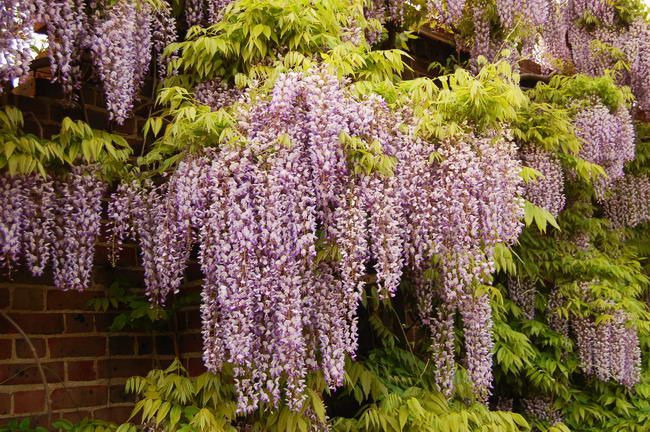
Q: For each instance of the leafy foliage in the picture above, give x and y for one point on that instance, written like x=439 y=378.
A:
x=170 y=399
x=25 y=153
x=138 y=311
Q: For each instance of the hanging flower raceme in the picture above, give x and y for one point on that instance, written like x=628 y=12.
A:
x=121 y=45
x=163 y=33
x=67 y=31
x=478 y=189
x=77 y=216
x=204 y=13
x=600 y=9
x=12 y=198
x=542 y=408
x=472 y=203
x=610 y=145
x=163 y=219
x=17 y=21
x=609 y=350
x=556 y=320
x=546 y=192
x=538 y=11
x=449 y=11
x=522 y=292
x=477 y=326
x=39 y=223
x=216 y=94
x=569 y=40
x=52 y=219
x=628 y=201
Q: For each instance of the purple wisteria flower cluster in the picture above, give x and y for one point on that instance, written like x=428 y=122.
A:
x=121 y=46
x=541 y=408
x=67 y=26
x=216 y=94
x=576 y=44
x=163 y=33
x=449 y=11
x=556 y=320
x=121 y=35
x=257 y=210
x=204 y=13
x=600 y=9
x=609 y=350
x=463 y=207
x=628 y=201
x=512 y=15
x=383 y=11
x=123 y=38
x=52 y=221
x=546 y=192
x=610 y=145
x=523 y=291
x=17 y=22
x=287 y=227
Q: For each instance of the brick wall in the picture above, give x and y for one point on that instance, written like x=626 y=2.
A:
x=86 y=365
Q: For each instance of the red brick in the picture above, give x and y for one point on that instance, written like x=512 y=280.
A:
x=163 y=363
x=103 y=253
x=193 y=272
x=31 y=126
x=191 y=343
x=130 y=275
x=84 y=346
x=5 y=403
x=127 y=128
x=195 y=366
x=23 y=276
x=42 y=420
x=88 y=94
x=127 y=256
x=59 y=111
x=45 y=87
x=63 y=300
x=121 y=345
x=140 y=120
x=643 y=116
x=28 y=298
x=76 y=416
x=103 y=322
x=79 y=323
x=31 y=401
x=115 y=414
x=145 y=345
x=83 y=370
x=51 y=129
x=27 y=373
x=4 y=298
x=194 y=319
x=119 y=395
x=180 y=323
x=5 y=348
x=98 y=119
x=24 y=351
x=165 y=345
x=73 y=397
x=123 y=368
x=38 y=107
x=34 y=323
